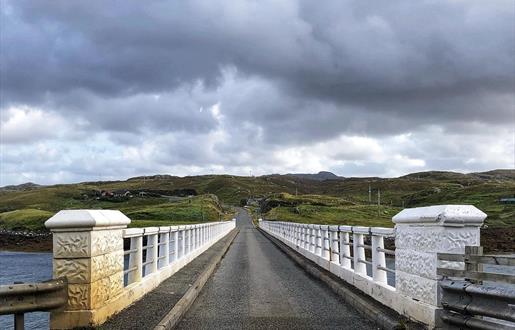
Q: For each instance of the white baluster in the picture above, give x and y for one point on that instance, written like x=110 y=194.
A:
x=345 y=256
x=359 y=250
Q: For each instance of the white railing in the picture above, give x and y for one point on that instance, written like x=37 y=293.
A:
x=104 y=277
x=152 y=249
x=343 y=246
x=410 y=284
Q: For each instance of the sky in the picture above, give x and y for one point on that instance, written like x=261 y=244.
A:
x=102 y=90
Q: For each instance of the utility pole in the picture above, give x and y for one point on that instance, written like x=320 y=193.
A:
x=378 y=200
x=369 y=195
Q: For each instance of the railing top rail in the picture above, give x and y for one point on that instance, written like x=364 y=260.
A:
x=381 y=231
x=164 y=229
x=150 y=230
x=347 y=229
x=361 y=230
x=132 y=232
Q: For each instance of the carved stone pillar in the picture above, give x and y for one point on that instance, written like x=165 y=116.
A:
x=88 y=251
x=423 y=232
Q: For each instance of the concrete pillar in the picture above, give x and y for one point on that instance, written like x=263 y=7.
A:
x=345 y=256
x=335 y=251
x=196 y=232
x=318 y=245
x=325 y=242
x=183 y=240
x=136 y=257
x=378 y=257
x=164 y=247
x=358 y=249
x=88 y=251
x=312 y=238
x=188 y=239
x=175 y=234
x=152 y=250
x=305 y=237
x=421 y=233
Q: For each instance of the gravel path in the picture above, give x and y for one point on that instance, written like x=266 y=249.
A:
x=258 y=287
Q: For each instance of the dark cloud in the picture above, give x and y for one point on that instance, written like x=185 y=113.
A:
x=285 y=74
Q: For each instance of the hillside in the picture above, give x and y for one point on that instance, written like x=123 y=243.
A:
x=320 y=176
x=325 y=210
x=153 y=211
x=152 y=198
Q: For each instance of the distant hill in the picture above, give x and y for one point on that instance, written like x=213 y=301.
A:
x=483 y=189
x=21 y=187
x=496 y=174
x=320 y=176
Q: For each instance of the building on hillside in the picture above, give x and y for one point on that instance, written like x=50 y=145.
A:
x=507 y=200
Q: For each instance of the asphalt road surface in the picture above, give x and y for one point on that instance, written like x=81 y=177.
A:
x=258 y=287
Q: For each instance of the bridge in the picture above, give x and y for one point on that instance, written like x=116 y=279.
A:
x=424 y=273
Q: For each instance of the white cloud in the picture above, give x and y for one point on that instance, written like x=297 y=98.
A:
x=28 y=125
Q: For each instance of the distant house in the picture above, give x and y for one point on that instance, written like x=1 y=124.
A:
x=122 y=193
x=106 y=193
x=507 y=200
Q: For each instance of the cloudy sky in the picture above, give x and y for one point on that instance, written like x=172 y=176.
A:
x=112 y=89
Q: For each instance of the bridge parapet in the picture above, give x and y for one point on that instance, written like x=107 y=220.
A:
x=420 y=234
x=103 y=276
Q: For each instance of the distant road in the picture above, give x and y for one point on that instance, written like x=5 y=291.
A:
x=259 y=287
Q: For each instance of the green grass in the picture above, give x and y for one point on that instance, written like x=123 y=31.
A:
x=24 y=219
x=205 y=208
x=331 y=211
x=143 y=212
x=332 y=201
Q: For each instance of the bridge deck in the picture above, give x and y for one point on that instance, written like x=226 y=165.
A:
x=257 y=286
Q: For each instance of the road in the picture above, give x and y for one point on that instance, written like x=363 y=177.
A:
x=258 y=287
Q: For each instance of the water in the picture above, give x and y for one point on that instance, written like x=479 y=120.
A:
x=25 y=267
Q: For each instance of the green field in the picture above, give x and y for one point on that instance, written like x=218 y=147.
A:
x=330 y=210
x=282 y=197
x=24 y=219
x=142 y=211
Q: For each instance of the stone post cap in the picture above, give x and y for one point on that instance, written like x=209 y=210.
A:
x=87 y=219
x=441 y=215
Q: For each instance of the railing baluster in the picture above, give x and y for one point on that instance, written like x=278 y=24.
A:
x=378 y=257
x=335 y=251
x=153 y=251
x=325 y=242
x=318 y=246
x=358 y=250
x=345 y=256
x=164 y=246
x=136 y=258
